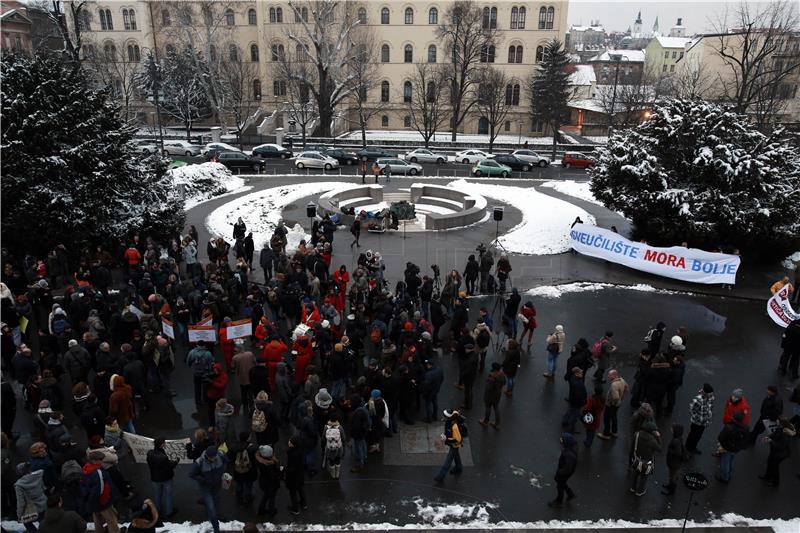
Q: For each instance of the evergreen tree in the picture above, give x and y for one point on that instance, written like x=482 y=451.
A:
x=69 y=172
x=550 y=89
x=699 y=173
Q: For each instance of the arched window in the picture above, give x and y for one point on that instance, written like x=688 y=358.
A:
x=409 y=18
x=85 y=21
x=274 y=18
x=521 y=20
x=509 y=93
x=433 y=16
x=279 y=88
x=256 y=89
x=362 y=15
x=109 y=20
x=126 y=22
x=551 y=15
x=430 y=92
x=132 y=15
x=515 y=54
x=514 y=17
x=384 y=91
x=486 y=17
x=385 y=53
x=385 y=17
x=88 y=50
x=278 y=14
x=278 y=52
x=186 y=16
x=542 y=17
x=253 y=52
x=493 y=18
x=407 y=121
x=487 y=53
x=166 y=20
x=539 y=53
x=110 y=51
x=252 y=18
x=384 y=121
x=134 y=54
x=408 y=54
x=171 y=50
x=515 y=95
x=106 y=22
x=303 y=14
x=300 y=52
x=212 y=52
x=432 y=53
x=233 y=52
x=230 y=18
x=407 y=92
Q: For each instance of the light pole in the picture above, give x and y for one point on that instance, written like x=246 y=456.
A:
x=519 y=134
x=618 y=58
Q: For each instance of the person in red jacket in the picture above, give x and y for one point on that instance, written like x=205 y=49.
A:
x=132 y=258
x=225 y=343
x=273 y=354
x=737 y=403
x=528 y=313
x=304 y=350
x=341 y=277
x=263 y=330
x=120 y=403
x=215 y=390
x=594 y=406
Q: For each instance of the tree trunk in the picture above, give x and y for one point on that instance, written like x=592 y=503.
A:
x=491 y=137
x=363 y=131
x=187 y=124
x=555 y=141
x=303 y=132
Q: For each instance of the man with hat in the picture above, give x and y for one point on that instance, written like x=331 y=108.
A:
x=162 y=472
x=207 y=471
x=567 y=463
x=452 y=437
x=771 y=410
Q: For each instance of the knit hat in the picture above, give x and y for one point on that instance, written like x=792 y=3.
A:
x=449 y=412
x=72 y=343
x=351 y=316
x=426 y=335
x=37 y=449
x=560 y=328
x=323 y=398
x=737 y=393
x=338 y=347
x=676 y=340
x=325 y=324
x=262 y=396
x=375 y=393
x=345 y=340
x=44 y=404
x=125 y=348
x=211 y=451
x=408 y=326
x=265 y=451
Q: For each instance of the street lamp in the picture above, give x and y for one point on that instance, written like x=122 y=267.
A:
x=618 y=58
x=363 y=170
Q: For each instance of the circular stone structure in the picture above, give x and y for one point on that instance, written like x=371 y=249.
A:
x=438 y=207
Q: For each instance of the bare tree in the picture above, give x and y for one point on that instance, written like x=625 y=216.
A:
x=626 y=107
x=298 y=104
x=495 y=98
x=425 y=104
x=467 y=31
x=70 y=24
x=754 y=44
x=120 y=72
x=237 y=92
x=691 y=82
x=363 y=70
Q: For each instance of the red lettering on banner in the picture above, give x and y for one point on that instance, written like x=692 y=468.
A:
x=664 y=258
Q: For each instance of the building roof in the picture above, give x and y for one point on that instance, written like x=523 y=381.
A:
x=14 y=15
x=583 y=75
x=587 y=28
x=636 y=56
x=673 y=42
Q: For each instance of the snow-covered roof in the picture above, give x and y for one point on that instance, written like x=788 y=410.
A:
x=583 y=75
x=636 y=56
x=673 y=42
x=589 y=104
x=587 y=28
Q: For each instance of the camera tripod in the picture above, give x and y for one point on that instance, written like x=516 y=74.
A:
x=499 y=327
x=496 y=241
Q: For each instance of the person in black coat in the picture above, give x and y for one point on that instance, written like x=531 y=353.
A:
x=269 y=479
x=295 y=476
x=431 y=384
x=359 y=430
x=779 y=449
x=577 y=399
x=243 y=476
x=249 y=249
x=510 y=313
x=677 y=369
x=437 y=317
x=656 y=383
x=676 y=453
x=790 y=342
x=637 y=392
x=771 y=409
x=580 y=357
x=471 y=274
x=654 y=336
x=567 y=463
x=162 y=472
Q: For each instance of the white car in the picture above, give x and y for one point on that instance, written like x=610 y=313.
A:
x=219 y=147
x=531 y=157
x=398 y=166
x=315 y=160
x=146 y=146
x=423 y=155
x=181 y=148
x=470 y=157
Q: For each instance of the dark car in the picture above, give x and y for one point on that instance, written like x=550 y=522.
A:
x=272 y=151
x=239 y=160
x=344 y=158
x=513 y=162
x=374 y=153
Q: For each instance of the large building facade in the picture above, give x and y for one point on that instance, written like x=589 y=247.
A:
x=404 y=34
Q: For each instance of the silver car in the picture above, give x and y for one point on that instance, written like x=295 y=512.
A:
x=531 y=157
x=146 y=146
x=315 y=160
x=181 y=148
x=423 y=155
x=398 y=166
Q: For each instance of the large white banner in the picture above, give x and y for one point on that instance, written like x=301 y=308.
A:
x=139 y=445
x=687 y=264
x=239 y=329
x=780 y=309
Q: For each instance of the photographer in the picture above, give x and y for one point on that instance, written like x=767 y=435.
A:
x=487 y=261
x=503 y=271
x=425 y=295
x=413 y=281
x=471 y=274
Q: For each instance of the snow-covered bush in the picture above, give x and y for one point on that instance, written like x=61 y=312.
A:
x=204 y=181
x=699 y=173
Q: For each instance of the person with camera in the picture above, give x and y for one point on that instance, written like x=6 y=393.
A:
x=471 y=272
x=486 y=263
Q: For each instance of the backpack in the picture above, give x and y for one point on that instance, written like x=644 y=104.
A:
x=462 y=428
x=484 y=337
x=259 y=421
x=242 y=464
x=333 y=439
x=59 y=324
x=597 y=348
x=649 y=336
x=375 y=335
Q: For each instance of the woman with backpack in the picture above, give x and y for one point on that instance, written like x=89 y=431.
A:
x=334 y=446
x=265 y=422
x=242 y=456
x=555 y=345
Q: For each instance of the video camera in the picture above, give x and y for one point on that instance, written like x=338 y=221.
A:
x=481 y=249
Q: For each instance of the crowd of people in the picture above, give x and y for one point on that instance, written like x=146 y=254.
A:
x=335 y=355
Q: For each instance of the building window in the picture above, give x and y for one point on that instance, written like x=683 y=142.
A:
x=362 y=15
x=433 y=16
x=408 y=54
x=300 y=52
x=666 y=54
x=279 y=14
x=539 y=54
x=253 y=52
x=384 y=91
x=487 y=53
x=672 y=68
x=134 y=54
x=542 y=17
x=407 y=121
x=551 y=16
x=279 y=88
x=106 y=23
x=110 y=51
x=277 y=52
x=230 y=18
x=680 y=56
x=126 y=22
x=185 y=16
x=521 y=20
x=664 y=68
x=85 y=21
x=303 y=14
x=432 y=53
x=385 y=53
x=515 y=54
x=166 y=20
x=407 y=92
x=88 y=51
x=514 y=17
x=489 y=18
x=385 y=16
x=385 y=121
x=256 y=89
x=512 y=94
x=273 y=17
x=252 y=18
x=536 y=125
x=233 y=52
x=409 y=18
x=430 y=92
x=674 y=55
x=507 y=125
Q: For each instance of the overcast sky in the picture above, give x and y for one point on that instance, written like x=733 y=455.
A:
x=619 y=14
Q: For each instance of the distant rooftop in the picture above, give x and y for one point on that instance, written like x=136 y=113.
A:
x=630 y=55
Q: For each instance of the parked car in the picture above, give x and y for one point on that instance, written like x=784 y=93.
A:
x=181 y=148
x=531 y=157
x=217 y=148
x=490 y=167
x=146 y=146
x=240 y=160
x=513 y=162
x=423 y=155
x=374 y=154
x=315 y=160
x=344 y=158
x=398 y=166
x=470 y=156
x=576 y=159
x=272 y=151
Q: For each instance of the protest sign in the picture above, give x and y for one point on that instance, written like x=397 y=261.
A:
x=239 y=329
x=166 y=327
x=139 y=445
x=202 y=333
x=779 y=308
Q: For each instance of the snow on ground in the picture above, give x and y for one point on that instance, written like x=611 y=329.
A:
x=204 y=181
x=557 y=291
x=790 y=261
x=578 y=189
x=261 y=211
x=403 y=135
x=545 y=222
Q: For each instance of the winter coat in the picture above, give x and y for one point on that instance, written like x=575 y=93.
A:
x=577 y=392
x=432 y=382
x=225 y=424
x=45 y=465
x=595 y=405
x=57 y=520
x=294 y=468
x=771 y=407
x=359 y=424
x=216 y=388
x=780 y=443
x=647 y=444
x=283 y=385
x=242 y=364
x=616 y=391
x=162 y=468
x=30 y=489
x=208 y=472
x=120 y=404
x=110 y=457
x=656 y=382
x=511 y=361
x=95 y=482
x=77 y=363
x=567 y=461
x=200 y=360
x=269 y=473
x=676 y=450
x=733 y=407
x=701 y=408
x=733 y=437
x=251 y=475
x=333 y=456
x=790 y=340
x=495 y=382
x=55 y=430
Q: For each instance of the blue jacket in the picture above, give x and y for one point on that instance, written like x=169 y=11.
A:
x=208 y=473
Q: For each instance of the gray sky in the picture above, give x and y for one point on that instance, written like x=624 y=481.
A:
x=619 y=14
